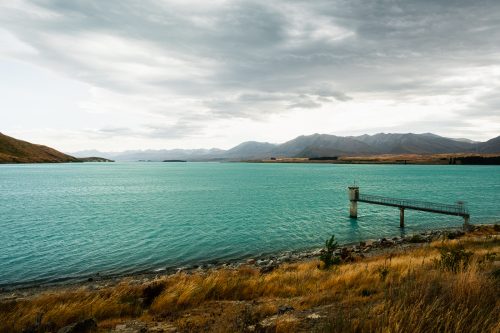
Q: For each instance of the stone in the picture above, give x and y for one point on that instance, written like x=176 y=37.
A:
x=267 y=322
x=131 y=327
x=83 y=326
x=162 y=328
x=262 y=262
x=251 y=261
x=314 y=316
x=181 y=269
x=268 y=269
x=284 y=309
x=319 y=251
x=455 y=234
x=285 y=257
x=386 y=242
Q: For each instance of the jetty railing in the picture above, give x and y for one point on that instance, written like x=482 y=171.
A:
x=457 y=209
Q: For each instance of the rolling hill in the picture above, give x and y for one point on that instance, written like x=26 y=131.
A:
x=18 y=151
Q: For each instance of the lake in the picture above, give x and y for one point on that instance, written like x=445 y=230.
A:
x=64 y=221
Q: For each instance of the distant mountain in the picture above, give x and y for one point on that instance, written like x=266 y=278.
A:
x=250 y=150
x=490 y=146
x=409 y=143
x=18 y=151
x=157 y=155
x=316 y=145
x=94 y=159
x=464 y=140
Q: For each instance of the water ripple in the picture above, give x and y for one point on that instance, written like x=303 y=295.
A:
x=71 y=221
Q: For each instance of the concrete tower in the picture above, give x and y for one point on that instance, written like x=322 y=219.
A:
x=353 y=198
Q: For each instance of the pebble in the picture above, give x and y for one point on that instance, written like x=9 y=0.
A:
x=284 y=309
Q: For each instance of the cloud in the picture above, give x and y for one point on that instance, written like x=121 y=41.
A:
x=179 y=129
x=206 y=61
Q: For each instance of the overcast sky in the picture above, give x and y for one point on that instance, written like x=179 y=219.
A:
x=117 y=75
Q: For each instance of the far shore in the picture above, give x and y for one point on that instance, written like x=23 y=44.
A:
x=422 y=159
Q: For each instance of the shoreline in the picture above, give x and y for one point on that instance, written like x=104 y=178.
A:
x=265 y=263
x=385 y=278
x=393 y=159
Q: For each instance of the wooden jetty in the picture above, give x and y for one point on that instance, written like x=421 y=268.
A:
x=458 y=209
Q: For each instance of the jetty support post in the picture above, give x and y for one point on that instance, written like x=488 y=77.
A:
x=353 y=198
x=401 y=217
x=466 y=222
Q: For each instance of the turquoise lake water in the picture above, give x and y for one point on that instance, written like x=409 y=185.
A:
x=62 y=221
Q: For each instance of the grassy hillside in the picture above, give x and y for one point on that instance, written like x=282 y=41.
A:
x=449 y=285
x=18 y=151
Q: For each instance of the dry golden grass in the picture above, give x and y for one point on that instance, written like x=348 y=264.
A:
x=442 y=159
x=18 y=151
x=403 y=291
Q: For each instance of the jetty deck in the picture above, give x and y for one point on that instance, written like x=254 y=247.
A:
x=431 y=207
x=457 y=209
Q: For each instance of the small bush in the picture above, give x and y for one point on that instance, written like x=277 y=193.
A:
x=367 y=292
x=327 y=257
x=496 y=227
x=490 y=256
x=151 y=292
x=454 y=258
x=454 y=234
x=416 y=239
x=383 y=271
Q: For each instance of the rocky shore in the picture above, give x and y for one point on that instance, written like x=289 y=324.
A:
x=285 y=292
x=347 y=252
x=266 y=264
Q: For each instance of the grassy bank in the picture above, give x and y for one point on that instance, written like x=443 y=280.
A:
x=445 y=286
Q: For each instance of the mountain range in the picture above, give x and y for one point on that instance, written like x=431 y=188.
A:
x=315 y=145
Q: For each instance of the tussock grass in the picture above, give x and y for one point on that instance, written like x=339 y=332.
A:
x=404 y=291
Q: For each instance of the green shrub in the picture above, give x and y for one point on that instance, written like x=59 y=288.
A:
x=490 y=256
x=454 y=258
x=496 y=273
x=152 y=291
x=416 y=239
x=367 y=292
x=383 y=271
x=327 y=257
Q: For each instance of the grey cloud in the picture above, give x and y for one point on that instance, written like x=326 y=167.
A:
x=308 y=104
x=179 y=129
x=119 y=131
x=257 y=105
x=486 y=106
x=249 y=59
x=330 y=93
